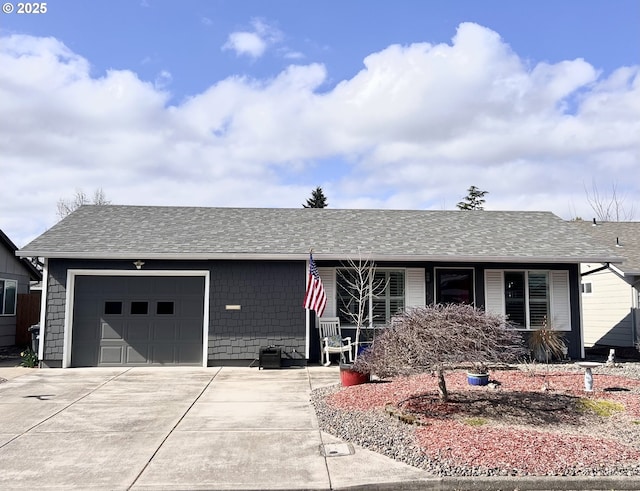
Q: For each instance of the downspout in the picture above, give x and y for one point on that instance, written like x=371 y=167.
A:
x=635 y=291
x=43 y=310
x=581 y=314
x=597 y=270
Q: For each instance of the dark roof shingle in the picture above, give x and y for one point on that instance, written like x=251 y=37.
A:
x=186 y=232
x=626 y=234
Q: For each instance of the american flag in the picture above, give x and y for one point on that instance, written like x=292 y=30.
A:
x=315 y=297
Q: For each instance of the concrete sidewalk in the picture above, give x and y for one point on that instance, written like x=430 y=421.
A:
x=177 y=428
x=198 y=428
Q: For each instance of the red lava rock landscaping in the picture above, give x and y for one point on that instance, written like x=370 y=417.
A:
x=525 y=424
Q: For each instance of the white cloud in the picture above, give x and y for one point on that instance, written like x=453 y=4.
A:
x=413 y=129
x=163 y=80
x=246 y=43
x=253 y=43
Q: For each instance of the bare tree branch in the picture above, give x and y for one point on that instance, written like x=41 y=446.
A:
x=68 y=206
x=441 y=337
x=608 y=208
x=360 y=285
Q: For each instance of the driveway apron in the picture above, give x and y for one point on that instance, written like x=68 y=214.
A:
x=174 y=428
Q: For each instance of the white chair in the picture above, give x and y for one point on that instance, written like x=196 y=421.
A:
x=331 y=340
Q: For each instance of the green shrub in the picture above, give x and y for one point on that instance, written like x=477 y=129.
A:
x=29 y=358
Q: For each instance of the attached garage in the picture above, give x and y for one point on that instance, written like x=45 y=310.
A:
x=136 y=320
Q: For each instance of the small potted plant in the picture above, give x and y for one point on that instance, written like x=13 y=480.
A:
x=478 y=374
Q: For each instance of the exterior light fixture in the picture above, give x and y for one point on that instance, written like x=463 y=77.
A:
x=138 y=264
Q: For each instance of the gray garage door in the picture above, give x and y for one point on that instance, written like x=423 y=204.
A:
x=132 y=321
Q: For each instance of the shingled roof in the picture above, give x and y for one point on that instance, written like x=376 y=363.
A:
x=119 y=232
x=624 y=236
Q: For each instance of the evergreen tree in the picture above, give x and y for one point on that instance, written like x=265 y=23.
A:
x=474 y=200
x=317 y=200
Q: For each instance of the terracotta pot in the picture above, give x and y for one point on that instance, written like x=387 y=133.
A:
x=349 y=376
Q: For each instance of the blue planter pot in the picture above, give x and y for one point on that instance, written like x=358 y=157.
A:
x=478 y=378
x=363 y=347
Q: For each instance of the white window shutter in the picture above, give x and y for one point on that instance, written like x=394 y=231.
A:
x=415 y=295
x=560 y=305
x=494 y=291
x=328 y=277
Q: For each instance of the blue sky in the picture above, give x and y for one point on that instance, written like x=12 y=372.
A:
x=384 y=104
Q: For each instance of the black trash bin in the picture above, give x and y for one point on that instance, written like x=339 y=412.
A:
x=35 y=337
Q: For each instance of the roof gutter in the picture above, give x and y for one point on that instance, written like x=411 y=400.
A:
x=319 y=256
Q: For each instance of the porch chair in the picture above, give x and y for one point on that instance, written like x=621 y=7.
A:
x=331 y=340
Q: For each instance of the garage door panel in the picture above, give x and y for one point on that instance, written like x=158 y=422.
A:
x=188 y=306
x=111 y=355
x=111 y=331
x=138 y=331
x=138 y=321
x=189 y=332
x=164 y=330
x=166 y=289
x=109 y=285
x=89 y=308
x=188 y=352
x=84 y=330
x=137 y=355
x=163 y=354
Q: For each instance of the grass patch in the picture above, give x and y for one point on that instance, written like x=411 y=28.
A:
x=599 y=407
x=475 y=421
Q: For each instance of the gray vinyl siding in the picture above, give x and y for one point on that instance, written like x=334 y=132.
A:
x=269 y=294
x=11 y=269
x=607 y=309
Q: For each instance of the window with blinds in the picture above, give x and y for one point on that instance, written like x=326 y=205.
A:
x=390 y=301
x=530 y=298
x=538 y=299
x=386 y=296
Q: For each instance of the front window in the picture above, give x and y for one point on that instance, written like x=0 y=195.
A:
x=8 y=295
x=390 y=301
x=454 y=286
x=374 y=298
x=527 y=298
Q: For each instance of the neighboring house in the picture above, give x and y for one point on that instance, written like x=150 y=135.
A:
x=611 y=292
x=15 y=277
x=128 y=285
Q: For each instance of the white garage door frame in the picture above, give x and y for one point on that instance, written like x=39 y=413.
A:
x=70 y=295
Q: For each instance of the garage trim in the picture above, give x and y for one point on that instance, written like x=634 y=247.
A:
x=70 y=295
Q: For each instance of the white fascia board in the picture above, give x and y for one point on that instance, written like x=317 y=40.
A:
x=624 y=273
x=319 y=256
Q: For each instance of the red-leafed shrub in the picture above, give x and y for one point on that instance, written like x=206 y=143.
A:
x=441 y=337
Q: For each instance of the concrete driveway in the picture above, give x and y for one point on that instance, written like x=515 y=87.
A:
x=176 y=428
